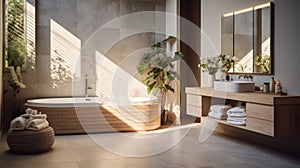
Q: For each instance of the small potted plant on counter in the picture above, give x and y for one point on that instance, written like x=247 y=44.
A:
x=227 y=64
x=210 y=65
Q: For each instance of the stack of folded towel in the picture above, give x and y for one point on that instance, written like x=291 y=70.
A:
x=32 y=120
x=236 y=116
x=219 y=111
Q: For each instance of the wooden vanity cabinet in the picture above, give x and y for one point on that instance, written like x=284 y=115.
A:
x=269 y=114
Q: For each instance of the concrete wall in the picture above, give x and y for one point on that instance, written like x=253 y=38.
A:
x=287 y=35
x=61 y=31
x=1 y=54
x=81 y=18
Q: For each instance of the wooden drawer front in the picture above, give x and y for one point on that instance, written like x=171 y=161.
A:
x=194 y=110
x=260 y=126
x=194 y=100
x=260 y=111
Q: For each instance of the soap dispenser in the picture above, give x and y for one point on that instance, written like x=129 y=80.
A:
x=278 y=87
x=272 y=85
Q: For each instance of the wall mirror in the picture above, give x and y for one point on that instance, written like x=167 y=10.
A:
x=247 y=34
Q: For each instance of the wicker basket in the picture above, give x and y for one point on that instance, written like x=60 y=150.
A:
x=30 y=141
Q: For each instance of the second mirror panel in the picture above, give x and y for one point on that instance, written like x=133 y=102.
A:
x=243 y=41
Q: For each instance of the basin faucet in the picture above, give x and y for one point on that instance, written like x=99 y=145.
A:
x=246 y=77
x=86 y=86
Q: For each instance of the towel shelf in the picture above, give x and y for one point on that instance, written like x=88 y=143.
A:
x=268 y=114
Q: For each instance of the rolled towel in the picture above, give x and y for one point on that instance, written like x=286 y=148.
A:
x=28 y=110
x=39 y=116
x=220 y=108
x=36 y=116
x=37 y=124
x=211 y=114
x=27 y=116
x=237 y=112
x=31 y=111
x=18 y=123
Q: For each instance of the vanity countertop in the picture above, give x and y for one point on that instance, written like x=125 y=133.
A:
x=254 y=97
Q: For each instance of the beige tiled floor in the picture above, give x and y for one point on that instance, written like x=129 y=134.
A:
x=80 y=151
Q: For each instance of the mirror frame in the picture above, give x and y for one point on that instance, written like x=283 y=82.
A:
x=272 y=16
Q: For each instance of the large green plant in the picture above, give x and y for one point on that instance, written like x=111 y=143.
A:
x=158 y=64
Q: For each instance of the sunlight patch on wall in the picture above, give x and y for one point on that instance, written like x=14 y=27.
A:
x=30 y=33
x=65 y=54
x=246 y=63
x=266 y=47
x=112 y=81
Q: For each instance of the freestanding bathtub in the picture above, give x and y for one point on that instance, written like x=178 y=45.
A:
x=94 y=114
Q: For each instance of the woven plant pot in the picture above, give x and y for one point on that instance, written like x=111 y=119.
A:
x=30 y=141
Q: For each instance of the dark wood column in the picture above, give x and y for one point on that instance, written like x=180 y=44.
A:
x=190 y=10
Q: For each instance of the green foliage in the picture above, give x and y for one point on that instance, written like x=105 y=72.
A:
x=264 y=62
x=210 y=65
x=158 y=66
x=16 y=48
x=15 y=81
x=15 y=19
x=16 y=45
x=227 y=62
x=16 y=53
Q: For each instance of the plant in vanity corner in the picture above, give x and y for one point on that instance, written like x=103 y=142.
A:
x=158 y=64
x=227 y=62
x=263 y=61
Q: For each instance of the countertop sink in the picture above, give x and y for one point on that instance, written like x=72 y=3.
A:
x=234 y=86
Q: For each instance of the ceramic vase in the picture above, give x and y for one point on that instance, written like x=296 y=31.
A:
x=211 y=80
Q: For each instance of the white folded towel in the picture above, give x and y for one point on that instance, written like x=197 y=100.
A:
x=37 y=124
x=236 y=122
x=219 y=116
x=18 y=123
x=218 y=108
x=40 y=116
x=238 y=119
x=237 y=112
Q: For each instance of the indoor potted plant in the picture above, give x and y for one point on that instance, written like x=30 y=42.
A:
x=227 y=64
x=158 y=65
x=210 y=65
x=263 y=62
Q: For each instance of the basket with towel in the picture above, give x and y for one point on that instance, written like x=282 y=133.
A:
x=30 y=133
x=236 y=116
x=219 y=111
x=32 y=120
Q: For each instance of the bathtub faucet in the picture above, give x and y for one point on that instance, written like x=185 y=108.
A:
x=86 y=86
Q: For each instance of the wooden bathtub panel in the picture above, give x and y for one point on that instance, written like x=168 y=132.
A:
x=108 y=118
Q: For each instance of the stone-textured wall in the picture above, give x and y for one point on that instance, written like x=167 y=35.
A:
x=1 y=54
x=81 y=18
x=62 y=29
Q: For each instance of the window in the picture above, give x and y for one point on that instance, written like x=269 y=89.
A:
x=15 y=37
